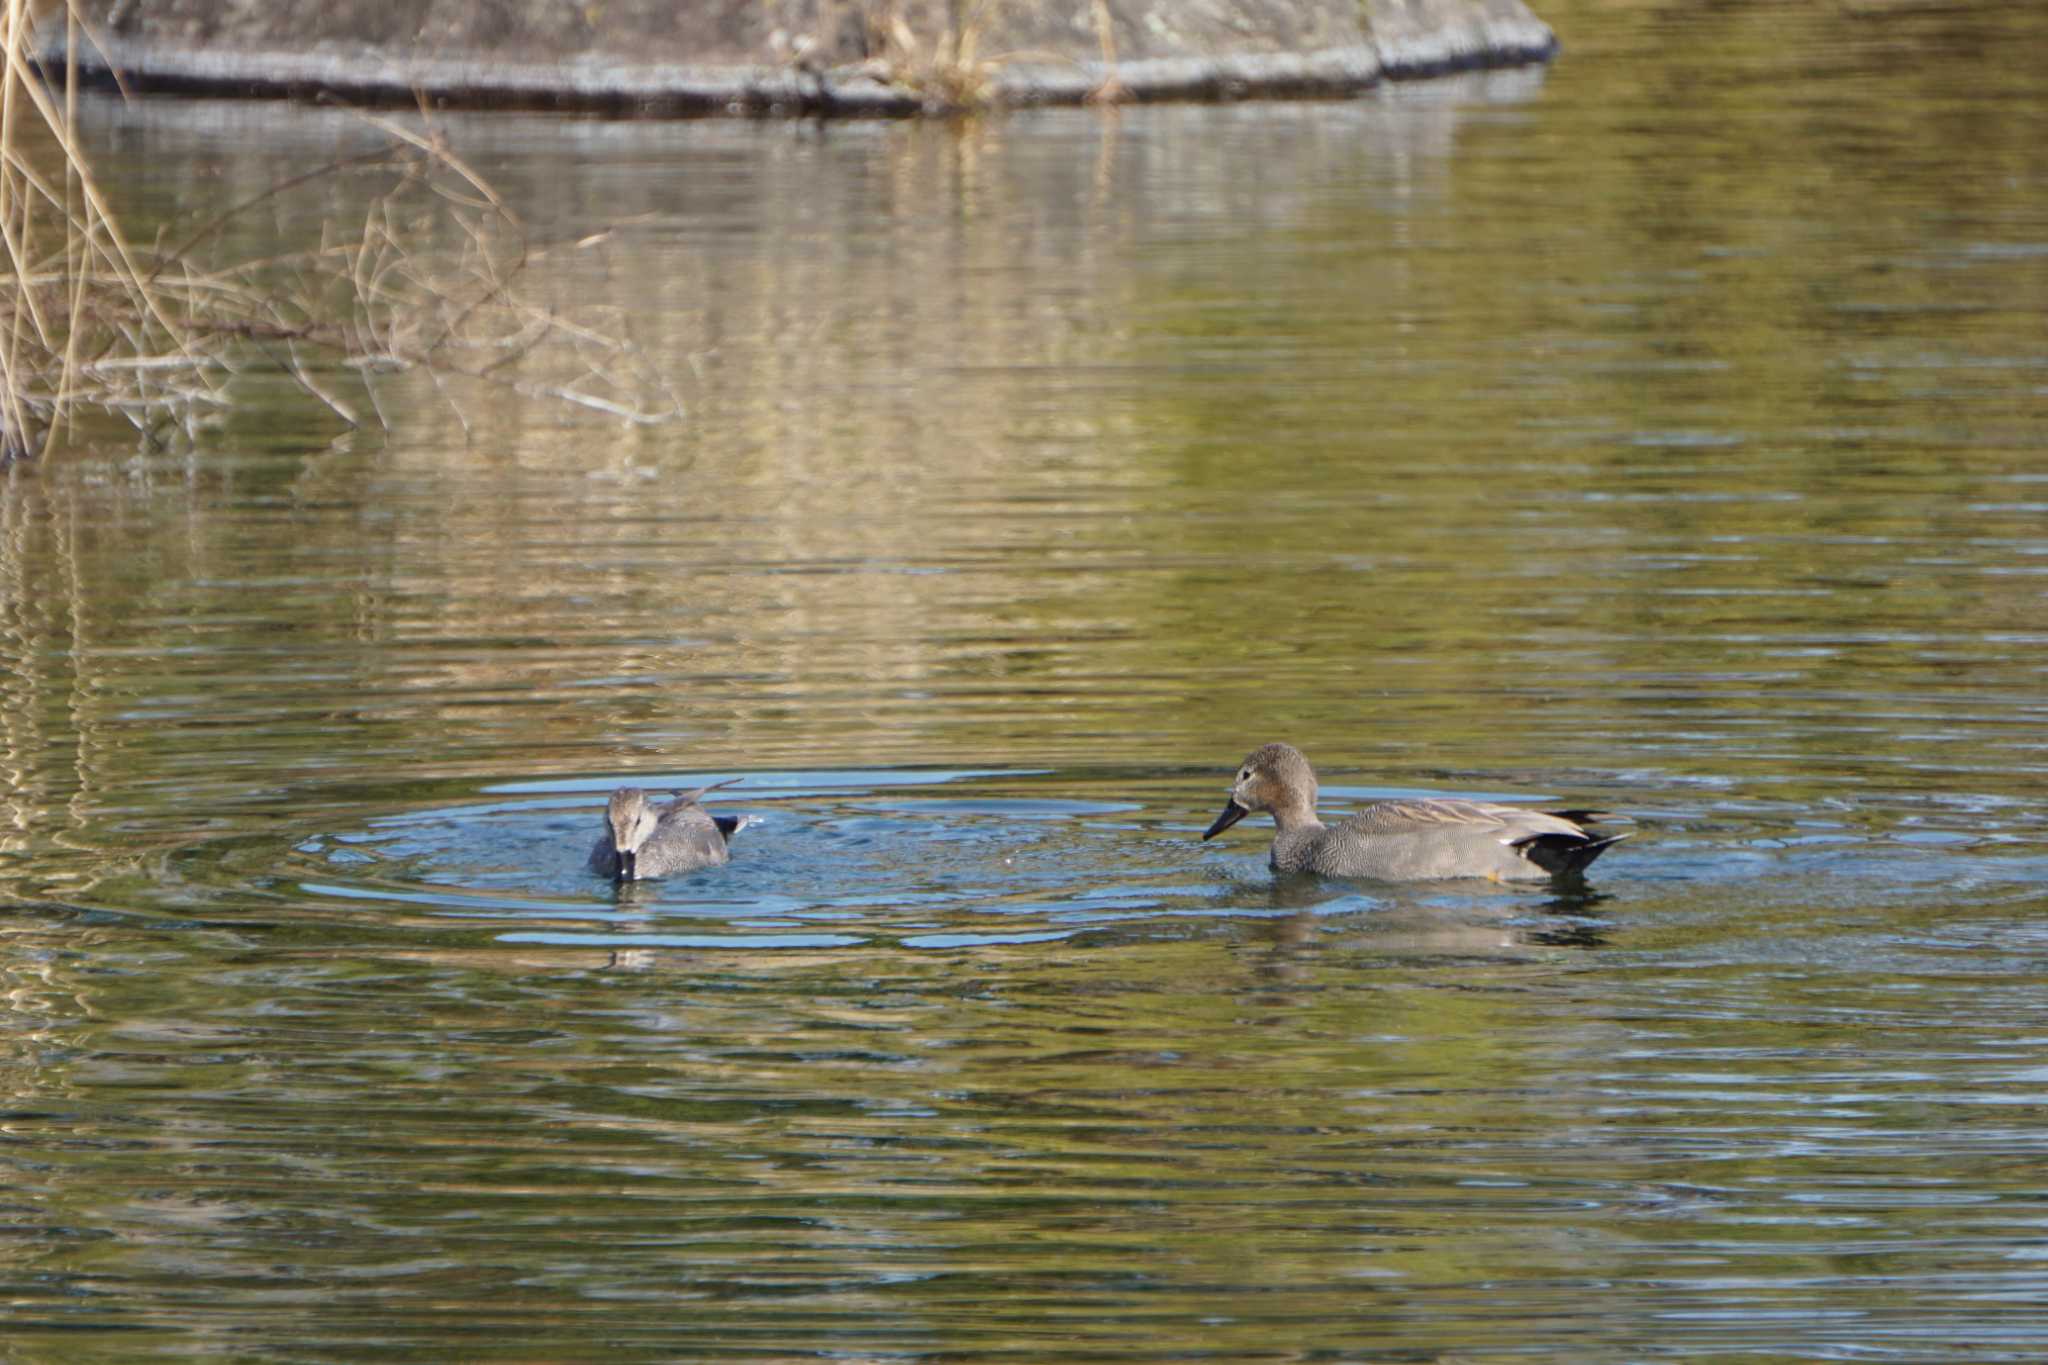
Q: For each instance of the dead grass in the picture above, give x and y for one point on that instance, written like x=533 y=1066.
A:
x=429 y=280
x=946 y=70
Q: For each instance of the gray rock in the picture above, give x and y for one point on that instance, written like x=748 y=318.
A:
x=850 y=57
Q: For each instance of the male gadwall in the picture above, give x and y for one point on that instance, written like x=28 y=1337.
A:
x=1405 y=841
x=642 y=839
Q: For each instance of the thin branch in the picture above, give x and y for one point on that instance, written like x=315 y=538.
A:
x=228 y=215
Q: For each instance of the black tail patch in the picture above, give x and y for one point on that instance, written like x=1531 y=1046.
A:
x=1564 y=855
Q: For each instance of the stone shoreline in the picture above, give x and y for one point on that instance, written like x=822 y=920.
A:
x=637 y=68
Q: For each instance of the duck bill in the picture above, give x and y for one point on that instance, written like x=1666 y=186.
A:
x=1232 y=813
x=628 y=871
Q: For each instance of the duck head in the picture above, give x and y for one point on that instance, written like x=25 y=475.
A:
x=631 y=821
x=1273 y=777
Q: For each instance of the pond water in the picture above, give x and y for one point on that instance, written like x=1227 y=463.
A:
x=1665 y=432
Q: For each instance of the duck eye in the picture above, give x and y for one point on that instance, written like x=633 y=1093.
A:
x=1245 y=776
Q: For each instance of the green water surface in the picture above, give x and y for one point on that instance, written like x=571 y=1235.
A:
x=1666 y=431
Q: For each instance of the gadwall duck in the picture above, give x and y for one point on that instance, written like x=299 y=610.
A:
x=1405 y=841
x=642 y=839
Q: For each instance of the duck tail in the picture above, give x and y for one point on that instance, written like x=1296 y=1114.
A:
x=1564 y=855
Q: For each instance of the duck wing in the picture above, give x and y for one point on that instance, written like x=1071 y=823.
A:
x=686 y=837
x=685 y=820
x=690 y=798
x=728 y=825
x=1444 y=815
x=1553 y=841
x=1590 y=817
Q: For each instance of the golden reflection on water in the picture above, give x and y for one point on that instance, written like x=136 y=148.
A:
x=1162 y=432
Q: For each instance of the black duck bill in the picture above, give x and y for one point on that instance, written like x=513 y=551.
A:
x=1232 y=813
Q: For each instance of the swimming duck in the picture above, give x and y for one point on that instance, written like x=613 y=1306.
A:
x=1401 y=841
x=643 y=840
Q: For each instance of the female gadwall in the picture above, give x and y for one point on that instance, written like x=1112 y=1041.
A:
x=642 y=839
x=1405 y=841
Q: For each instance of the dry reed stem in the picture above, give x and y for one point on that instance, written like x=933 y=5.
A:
x=157 y=335
x=953 y=77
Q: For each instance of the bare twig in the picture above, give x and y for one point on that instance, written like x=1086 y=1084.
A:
x=155 y=333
